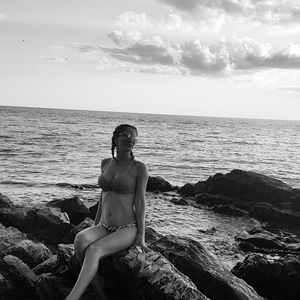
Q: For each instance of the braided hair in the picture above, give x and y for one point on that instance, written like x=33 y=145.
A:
x=119 y=129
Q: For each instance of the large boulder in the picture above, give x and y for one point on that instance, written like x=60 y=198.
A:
x=75 y=208
x=249 y=186
x=208 y=274
x=30 y=252
x=150 y=276
x=266 y=212
x=13 y=216
x=272 y=276
x=158 y=184
x=9 y=236
x=5 y=201
x=190 y=189
x=48 y=224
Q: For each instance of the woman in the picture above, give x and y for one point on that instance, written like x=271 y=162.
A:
x=120 y=218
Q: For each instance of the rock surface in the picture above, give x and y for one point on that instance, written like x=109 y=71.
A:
x=208 y=274
x=158 y=184
x=272 y=276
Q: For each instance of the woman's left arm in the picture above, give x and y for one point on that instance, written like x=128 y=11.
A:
x=139 y=202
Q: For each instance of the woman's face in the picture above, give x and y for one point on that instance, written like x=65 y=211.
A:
x=126 y=139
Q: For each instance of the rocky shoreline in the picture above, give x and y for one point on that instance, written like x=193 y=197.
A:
x=37 y=256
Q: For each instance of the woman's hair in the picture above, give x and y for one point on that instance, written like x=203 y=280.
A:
x=119 y=129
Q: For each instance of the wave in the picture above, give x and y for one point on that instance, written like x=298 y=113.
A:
x=79 y=186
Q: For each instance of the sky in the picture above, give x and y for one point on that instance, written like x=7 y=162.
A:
x=224 y=58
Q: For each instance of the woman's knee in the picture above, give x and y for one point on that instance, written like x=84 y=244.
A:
x=94 y=251
x=80 y=241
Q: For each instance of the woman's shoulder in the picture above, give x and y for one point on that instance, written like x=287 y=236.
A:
x=140 y=166
x=105 y=161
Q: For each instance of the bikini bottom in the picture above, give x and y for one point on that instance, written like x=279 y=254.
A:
x=116 y=228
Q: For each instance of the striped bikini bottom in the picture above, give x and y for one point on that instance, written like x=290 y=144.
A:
x=115 y=228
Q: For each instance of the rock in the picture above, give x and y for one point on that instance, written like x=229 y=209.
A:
x=93 y=210
x=23 y=276
x=75 y=208
x=212 y=200
x=86 y=223
x=12 y=216
x=229 y=210
x=296 y=200
x=158 y=183
x=151 y=276
x=7 y=288
x=50 y=286
x=48 y=224
x=192 y=189
x=5 y=201
x=249 y=186
x=50 y=265
x=177 y=201
x=265 y=211
x=263 y=241
x=30 y=252
x=151 y=235
x=208 y=274
x=10 y=236
x=273 y=277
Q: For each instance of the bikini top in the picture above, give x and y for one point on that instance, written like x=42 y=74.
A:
x=122 y=183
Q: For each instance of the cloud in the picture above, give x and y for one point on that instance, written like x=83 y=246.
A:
x=55 y=59
x=120 y=38
x=2 y=17
x=225 y=56
x=261 y=12
x=149 y=52
x=169 y=21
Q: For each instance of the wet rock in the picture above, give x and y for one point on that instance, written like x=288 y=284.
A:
x=75 y=208
x=93 y=210
x=177 y=201
x=5 y=201
x=48 y=224
x=208 y=231
x=151 y=276
x=229 y=210
x=192 y=259
x=273 y=277
x=212 y=200
x=189 y=189
x=249 y=186
x=12 y=216
x=264 y=241
x=296 y=200
x=265 y=211
x=50 y=265
x=9 y=236
x=159 y=184
x=30 y=252
x=151 y=235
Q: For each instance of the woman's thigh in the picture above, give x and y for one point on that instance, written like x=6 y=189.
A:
x=91 y=234
x=114 y=242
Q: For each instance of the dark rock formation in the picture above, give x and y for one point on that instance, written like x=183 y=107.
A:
x=13 y=216
x=272 y=276
x=229 y=210
x=30 y=252
x=192 y=189
x=75 y=208
x=158 y=184
x=210 y=277
x=48 y=224
x=267 y=212
x=9 y=236
x=5 y=201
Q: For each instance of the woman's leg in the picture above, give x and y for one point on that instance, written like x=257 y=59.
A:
x=86 y=237
x=108 y=245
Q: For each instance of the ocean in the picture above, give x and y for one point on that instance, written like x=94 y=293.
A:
x=42 y=149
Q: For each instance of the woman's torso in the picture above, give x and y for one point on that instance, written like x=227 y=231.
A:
x=118 y=184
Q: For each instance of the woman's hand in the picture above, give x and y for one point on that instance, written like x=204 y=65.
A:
x=140 y=244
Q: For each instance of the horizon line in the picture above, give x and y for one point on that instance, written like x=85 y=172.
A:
x=151 y=113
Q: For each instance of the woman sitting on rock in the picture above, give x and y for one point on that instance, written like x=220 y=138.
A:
x=120 y=219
